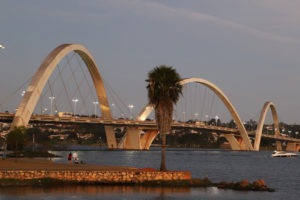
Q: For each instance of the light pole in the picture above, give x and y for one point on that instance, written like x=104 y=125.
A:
x=216 y=118
x=5 y=143
x=23 y=93
x=75 y=102
x=95 y=107
x=112 y=109
x=183 y=114
x=51 y=104
x=45 y=110
x=206 y=119
x=130 y=106
x=196 y=116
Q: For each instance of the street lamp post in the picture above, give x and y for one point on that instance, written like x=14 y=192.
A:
x=216 y=118
x=44 y=111
x=283 y=130
x=5 y=142
x=75 y=102
x=112 y=109
x=130 y=106
x=183 y=113
x=51 y=105
x=95 y=107
x=206 y=119
x=196 y=116
x=23 y=93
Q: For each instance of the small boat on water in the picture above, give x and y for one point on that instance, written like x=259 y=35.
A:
x=283 y=154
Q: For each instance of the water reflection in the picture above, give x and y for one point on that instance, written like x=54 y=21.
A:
x=126 y=192
x=92 y=190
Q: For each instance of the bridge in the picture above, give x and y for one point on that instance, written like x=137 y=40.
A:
x=141 y=125
x=134 y=138
x=145 y=125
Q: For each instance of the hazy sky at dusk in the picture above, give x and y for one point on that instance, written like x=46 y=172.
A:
x=249 y=48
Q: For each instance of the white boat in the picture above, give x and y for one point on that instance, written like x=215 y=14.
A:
x=283 y=154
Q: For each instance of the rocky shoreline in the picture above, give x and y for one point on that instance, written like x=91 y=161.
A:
x=245 y=185
x=42 y=172
x=259 y=185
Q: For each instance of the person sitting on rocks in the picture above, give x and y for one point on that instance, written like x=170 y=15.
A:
x=70 y=157
x=76 y=161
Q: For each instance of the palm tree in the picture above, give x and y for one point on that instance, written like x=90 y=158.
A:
x=163 y=90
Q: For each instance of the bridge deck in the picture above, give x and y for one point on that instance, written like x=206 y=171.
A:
x=8 y=117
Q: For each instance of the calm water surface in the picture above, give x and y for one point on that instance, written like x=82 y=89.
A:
x=282 y=174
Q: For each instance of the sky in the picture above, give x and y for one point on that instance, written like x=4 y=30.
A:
x=249 y=48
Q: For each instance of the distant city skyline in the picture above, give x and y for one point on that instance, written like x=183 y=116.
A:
x=249 y=49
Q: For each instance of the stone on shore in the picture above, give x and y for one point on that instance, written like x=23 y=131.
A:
x=259 y=185
x=244 y=184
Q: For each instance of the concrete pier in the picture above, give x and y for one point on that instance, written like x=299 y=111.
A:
x=84 y=173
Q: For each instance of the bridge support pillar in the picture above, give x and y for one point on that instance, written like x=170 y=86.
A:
x=235 y=144
x=110 y=137
x=131 y=139
x=241 y=143
x=232 y=141
x=147 y=139
x=279 y=146
x=293 y=146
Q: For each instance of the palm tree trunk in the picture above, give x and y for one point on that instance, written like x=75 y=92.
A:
x=163 y=153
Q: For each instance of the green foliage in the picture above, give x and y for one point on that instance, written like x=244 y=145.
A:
x=72 y=136
x=163 y=90
x=39 y=136
x=99 y=132
x=163 y=83
x=231 y=124
x=267 y=142
x=17 y=138
x=202 y=139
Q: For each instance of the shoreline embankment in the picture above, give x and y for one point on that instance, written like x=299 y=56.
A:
x=42 y=172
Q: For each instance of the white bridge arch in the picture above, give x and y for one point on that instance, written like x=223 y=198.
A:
x=44 y=72
x=268 y=105
x=246 y=142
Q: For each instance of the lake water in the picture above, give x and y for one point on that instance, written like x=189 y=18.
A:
x=282 y=174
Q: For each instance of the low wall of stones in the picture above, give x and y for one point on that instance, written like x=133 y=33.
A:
x=96 y=176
